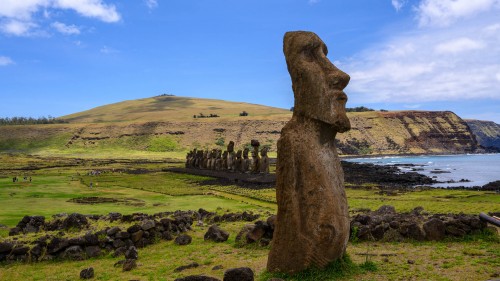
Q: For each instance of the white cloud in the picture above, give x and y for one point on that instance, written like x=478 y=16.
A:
x=4 y=61
x=21 y=17
x=151 y=4
x=90 y=8
x=458 y=62
x=398 y=4
x=16 y=27
x=446 y=12
x=312 y=2
x=65 y=29
x=459 y=45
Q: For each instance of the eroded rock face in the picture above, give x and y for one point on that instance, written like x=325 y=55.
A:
x=312 y=226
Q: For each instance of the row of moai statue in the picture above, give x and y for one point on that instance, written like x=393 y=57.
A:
x=229 y=160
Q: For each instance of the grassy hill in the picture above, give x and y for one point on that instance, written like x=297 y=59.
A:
x=172 y=108
x=164 y=126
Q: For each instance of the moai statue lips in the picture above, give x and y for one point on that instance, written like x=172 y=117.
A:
x=312 y=225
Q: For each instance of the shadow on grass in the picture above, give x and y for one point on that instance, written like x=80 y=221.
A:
x=338 y=269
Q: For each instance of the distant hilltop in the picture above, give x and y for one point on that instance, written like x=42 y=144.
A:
x=172 y=124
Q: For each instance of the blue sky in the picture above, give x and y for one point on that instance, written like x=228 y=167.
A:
x=63 y=56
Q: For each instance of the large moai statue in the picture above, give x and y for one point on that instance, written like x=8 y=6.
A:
x=264 y=161
x=312 y=227
x=230 y=156
x=245 y=162
x=255 y=157
x=238 y=162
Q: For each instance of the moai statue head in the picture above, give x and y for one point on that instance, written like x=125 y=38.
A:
x=214 y=153
x=224 y=154
x=263 y=152
x=238 y=154
x=245 y=153
x=219 y=154
x=317 y=84
x=230 y=147
x=205 y=154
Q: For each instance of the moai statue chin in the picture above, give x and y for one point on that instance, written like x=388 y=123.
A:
x=312 y=226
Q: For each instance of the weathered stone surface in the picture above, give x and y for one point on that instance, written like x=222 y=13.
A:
x=93 y=251
x=147 y=224
x=312 y=226
x=73 y=253
x=131 y=253
x=6 y=247
x=215 y=233
x=87 y=273
x=434 y=229
x=239 y=274
x=183 y=239
x=128 y=265
x=75 y=220
x=112 y=231
x=188 y=266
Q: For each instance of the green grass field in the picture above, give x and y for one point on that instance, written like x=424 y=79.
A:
x=60 y=180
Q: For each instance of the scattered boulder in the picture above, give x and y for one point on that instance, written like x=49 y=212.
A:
x=434 y=229
x=128 y=265
x=87 y=273
x=184 y=267
x=75 y=220
x=93 y=251
x=6 y=247
x=147 y=224
x=74 y=253
x=239 y=274
x=217 y=267
x=216 y=234
x=183 y=239
x=197 y=278
x=131 y=253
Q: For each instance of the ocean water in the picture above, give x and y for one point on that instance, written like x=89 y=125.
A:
x=480 y=169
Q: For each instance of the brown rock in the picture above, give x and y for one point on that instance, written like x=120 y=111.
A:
x=312 y=227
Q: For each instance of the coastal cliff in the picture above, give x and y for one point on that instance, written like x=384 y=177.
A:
x=406 y=132
x=487 y=133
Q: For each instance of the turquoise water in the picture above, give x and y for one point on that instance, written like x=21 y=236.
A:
x=480 y=169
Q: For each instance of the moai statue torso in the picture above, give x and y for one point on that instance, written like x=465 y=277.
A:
x=199 y=159
x=213 y=156
x=224 y=161
x=218 y=160
x=230 y=156
x=255 y=157
x=205 y=159
x=238 y=161
x=245 y=162
x=264 y=161
x=312 y=225
x=188 y=159
x=193 y=158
